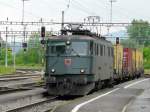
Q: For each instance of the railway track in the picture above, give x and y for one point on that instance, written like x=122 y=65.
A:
x=24 y=98
x=41 y=106
x=4 y=90
x=17 y=83
x=19 y=76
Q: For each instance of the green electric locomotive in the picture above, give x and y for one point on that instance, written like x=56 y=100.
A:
x=77 y=62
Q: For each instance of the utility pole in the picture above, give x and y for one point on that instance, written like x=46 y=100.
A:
x=23 y=10
x=6 y=49
x=0 y=46
x=24 y=26
x=111 y=10
x=111 y=13
x=14 y=54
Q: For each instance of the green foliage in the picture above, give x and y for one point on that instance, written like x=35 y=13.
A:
x=146 y=55
x=129 y=43
x=9 y=55
x=139 y=31
x=8 y=70
x=33 y=55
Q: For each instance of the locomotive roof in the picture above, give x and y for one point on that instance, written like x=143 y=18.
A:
x=76 y=37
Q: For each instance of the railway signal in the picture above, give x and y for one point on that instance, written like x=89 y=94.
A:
x=117 y=40
x=43 y=31
x=43 y=35
x=24 y=45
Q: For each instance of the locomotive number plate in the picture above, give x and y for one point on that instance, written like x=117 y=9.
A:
x=67 y=62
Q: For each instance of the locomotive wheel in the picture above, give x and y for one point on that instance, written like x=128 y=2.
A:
x=98 y=85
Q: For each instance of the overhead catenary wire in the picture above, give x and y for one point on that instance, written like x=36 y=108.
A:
x=18 y=10
x=84 y=7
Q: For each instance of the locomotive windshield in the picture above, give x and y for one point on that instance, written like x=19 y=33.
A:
x=79 y=48
x=74 y=49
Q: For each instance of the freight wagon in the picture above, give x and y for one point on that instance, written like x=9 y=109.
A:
x=127 y=63
x=139 y=63
x=118 y=62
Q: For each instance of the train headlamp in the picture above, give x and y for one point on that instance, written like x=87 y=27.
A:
x=82 y=70
x=68 y=42
x=53 y=70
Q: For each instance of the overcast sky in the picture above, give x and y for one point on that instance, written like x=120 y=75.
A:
x=123 y=10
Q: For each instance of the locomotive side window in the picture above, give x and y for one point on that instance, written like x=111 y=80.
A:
x=104 y=50
x=108 y=51
x=101 y=49
x=112 y=52
x=97 y=50
x=91 y=48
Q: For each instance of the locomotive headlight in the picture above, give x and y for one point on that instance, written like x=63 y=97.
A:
x=68 y=42
x=82 y=70
x=53 y=70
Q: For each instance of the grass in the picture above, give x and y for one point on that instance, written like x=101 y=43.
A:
x=6 y=70
x=11 y=70
x=146 y=71
x=29 y=66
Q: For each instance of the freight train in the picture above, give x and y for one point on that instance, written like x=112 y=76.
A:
x=78 y=61
x=128 y=63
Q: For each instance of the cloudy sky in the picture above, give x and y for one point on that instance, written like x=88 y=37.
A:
x=123 y=10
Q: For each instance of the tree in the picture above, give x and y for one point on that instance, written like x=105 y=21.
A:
x=139 y=31
x=34 y=53
x=129 y=43
x=9 y=56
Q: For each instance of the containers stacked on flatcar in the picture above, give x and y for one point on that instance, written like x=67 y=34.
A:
x=118 y=62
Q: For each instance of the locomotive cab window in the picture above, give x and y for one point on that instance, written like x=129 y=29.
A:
x=58 y=48
x=74 y=49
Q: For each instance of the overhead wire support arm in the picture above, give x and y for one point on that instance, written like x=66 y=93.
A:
x=21 y=32
x=120 y=24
